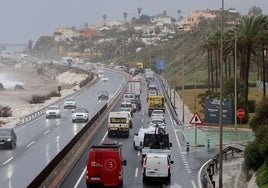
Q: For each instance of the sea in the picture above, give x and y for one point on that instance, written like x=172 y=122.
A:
x=10 y=50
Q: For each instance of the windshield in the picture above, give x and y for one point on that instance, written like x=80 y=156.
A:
x=4 y=133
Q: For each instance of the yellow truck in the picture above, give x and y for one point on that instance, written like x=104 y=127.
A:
x=155 y=102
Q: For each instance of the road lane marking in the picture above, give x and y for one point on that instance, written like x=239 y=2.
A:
x=8 y=160
x=104 y=137
x=30 y=144
x=136 y=172
x=178 y=142
x=194 y=186
x=58 y=123
x=46 y=132
x=139 y=153
x=80 y=178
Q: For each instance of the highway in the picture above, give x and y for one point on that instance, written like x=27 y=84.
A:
x=40 y=140
x=184 y=170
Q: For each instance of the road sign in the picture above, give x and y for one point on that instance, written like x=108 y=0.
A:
x=241 y=113
x=196 y=119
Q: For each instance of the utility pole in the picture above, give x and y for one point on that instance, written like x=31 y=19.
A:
x=221 y=85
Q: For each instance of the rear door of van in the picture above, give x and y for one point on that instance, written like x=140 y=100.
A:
x=105 y=168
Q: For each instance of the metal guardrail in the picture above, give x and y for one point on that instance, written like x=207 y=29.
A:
x=168 y=100
x=212 y=166
x=57 y=170
x=41 y=111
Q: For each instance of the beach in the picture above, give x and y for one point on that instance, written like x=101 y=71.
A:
x=33 y=84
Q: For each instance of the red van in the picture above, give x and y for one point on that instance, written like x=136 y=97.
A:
x=105 y=166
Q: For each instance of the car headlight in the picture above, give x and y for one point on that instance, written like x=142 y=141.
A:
x=8 y=139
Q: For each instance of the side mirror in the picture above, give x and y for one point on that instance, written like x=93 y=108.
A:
x=171 y=162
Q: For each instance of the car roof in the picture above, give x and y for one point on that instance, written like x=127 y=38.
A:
x=5 y=129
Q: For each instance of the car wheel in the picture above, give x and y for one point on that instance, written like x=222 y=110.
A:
x=134 y=145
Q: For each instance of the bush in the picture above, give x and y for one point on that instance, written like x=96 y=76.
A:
x=86 y=81
x=36 y=99
x=5 y=111
x=54 y=94
x=262 y=175
x=251 y=106
x=253 y=158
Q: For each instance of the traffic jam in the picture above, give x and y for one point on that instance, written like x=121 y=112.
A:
x=106 y=163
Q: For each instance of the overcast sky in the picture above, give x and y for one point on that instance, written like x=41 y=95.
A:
x=22 y=20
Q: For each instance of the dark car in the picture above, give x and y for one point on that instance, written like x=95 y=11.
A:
x=103 y=95
x=8 y=138
x=137 y=102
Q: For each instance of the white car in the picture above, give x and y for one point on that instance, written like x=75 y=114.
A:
x=157 y=168
x=158 y=114
x=53 y=112
x=104 y=79
x=69 y=103
x=158 y=123
x=138 y=137
x=80 y=115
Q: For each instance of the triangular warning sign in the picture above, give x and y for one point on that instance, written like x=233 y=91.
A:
x=196 y=119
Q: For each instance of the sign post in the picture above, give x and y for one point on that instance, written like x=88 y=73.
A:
x=196 y=120
x=240 y=114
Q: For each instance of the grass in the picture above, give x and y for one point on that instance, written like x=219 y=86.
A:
x=192 y=101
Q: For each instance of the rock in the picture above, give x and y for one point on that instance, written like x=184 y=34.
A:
x=18 y=87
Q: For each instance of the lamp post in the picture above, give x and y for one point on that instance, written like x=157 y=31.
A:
x=150 y=48
x=221 y=84
x=235 y=80
x=183 y=59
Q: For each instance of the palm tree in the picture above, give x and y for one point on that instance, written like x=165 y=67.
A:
x=104 y=16
x=248 y=36
x=125 y=16
x=139 y=11
x=179 y=14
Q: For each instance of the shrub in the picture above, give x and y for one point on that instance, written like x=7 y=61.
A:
x=262 y=175
x=5 y=111
x=36 y=99
x=86 y=81
x=253 y=158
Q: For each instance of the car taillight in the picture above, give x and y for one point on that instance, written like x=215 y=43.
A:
x=108 y=126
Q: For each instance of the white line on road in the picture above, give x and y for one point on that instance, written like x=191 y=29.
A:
x=30 y=144
x=104 y=137
x=80 y=178
x=8 y=160
x=58 y=123
x=177 y=139
x=194 y=186
x=136 y=172
x=46 y=132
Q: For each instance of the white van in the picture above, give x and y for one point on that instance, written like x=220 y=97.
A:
x=138 y=137
x=119 y=124
x=156 y=167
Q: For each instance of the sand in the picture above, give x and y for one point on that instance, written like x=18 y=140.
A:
x=34 y=84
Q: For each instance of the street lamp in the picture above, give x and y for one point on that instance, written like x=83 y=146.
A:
x=151 y=32
x=221 y=85
x=235 y=80
x=183 y=59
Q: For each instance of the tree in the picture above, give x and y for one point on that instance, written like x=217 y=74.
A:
x=139 y=11
x=179 y=14
x=125 y=16
x=30 y=46
x=248 y=36
x=104 y=16
x=254 y=11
